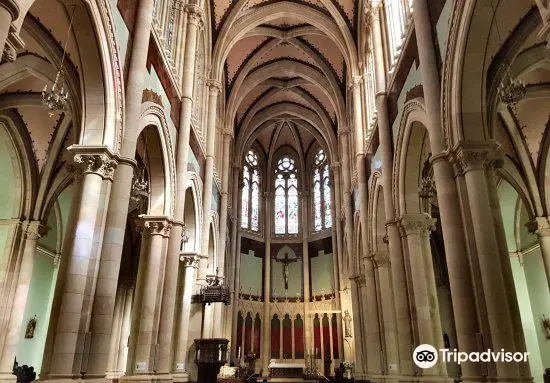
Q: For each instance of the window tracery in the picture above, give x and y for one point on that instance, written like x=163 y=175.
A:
x=286 y=212
x=322 y=215
x=250 y=193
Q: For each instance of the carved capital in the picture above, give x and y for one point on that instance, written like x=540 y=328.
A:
x=190 y=260
x=539 y=226
x=35 y=230
x=94 y=160
x=9 y=54
x=355 y=83
x=472 y=155
x=214 y=85
x=420 y=224
x=154 y=225
x=195 y=15
x=382 y=259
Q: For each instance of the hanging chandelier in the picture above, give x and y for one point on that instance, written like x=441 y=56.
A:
x=55 y=99
x=510 y=90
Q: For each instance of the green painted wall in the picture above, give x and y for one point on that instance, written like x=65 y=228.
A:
x=539 y=296
x=251 y=274
x=322 y=273
x=442 y=27
x=39 y=301
x=7 y=174
x=526 y=313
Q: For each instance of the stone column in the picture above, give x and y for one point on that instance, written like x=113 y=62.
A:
x=456 y=250
x=235 y=260
x=470 y=158
x=218 y=307
x=116 y=333
x=416 y=229
x=266 y=328
x=194 y=16
x=143 y=337
x=190 y=263
x=214 y=90
x=75 y=291
x=399 y=282
x=357 y=334
x=9 y=11
x=125 y=331
x=337 y=214
x=382 y=263
x=541 y=227
x=32 y=231
x=115 y=223
x=371 y=317
x=305 y=264
x=347 y=202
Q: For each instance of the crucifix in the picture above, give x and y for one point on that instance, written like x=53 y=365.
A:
x=286 y=261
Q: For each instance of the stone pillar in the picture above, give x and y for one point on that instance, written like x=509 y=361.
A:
x=218 y=307
x=214 y=90
x=9 y=11
x=337 y=214
x=382 y=264
x=347 y=202
x=75 y=292
x=166 y=327
x=357 y=336
x=143 y=337
x=541 y=227
x=470 y=159
x=115 y=224
x=116 y=333
x=370 y=319
x=401 y=301
x=308 y=338
x=125 y=331
x=266 y=328
x=235 y=260
x=416 y=229
x=190 y=263
x=32 y=231
x=456 y=250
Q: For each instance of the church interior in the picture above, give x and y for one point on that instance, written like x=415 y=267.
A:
x=274 y=190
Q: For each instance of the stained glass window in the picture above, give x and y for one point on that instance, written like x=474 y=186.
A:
x=250 y=194
x=286 y=212
x=322 y=215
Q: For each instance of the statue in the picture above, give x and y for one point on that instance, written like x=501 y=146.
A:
x=286 y=273
x=31 y=326
x=347 y=324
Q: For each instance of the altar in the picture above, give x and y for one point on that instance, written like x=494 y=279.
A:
x=286 y=369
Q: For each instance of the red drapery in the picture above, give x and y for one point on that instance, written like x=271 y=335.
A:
x=299 y=337
x=317 y=335
x=247 y=334
x=275 y=337
x=335 y=351
x=326 y=338
x=257 y=335
x=287 y=337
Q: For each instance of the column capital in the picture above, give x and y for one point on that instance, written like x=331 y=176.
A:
x=94 y=160
x=335 y=165
x=35 y=230
x=419 y=223
x=214 y=85
x=539 y=226
x=155 y=225
x=382 y=259
x=190 y=260
x=343 y=131
x=355 y=83
x=472 y=155
x=12 y=7
x=195 y=14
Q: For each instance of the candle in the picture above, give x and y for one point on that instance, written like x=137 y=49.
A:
x=220 y=354
x=239 y=353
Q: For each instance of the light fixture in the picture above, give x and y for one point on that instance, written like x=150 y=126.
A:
x=56 y=98
x=510 y=90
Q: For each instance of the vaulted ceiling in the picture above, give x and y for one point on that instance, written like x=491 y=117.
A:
x=286 y=64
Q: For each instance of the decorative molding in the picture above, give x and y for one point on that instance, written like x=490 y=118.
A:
x=155 y=225
x=94 y=160
x=195 y=14
x=381 y=259
x=420 y=223
x=190 y=260
x=35 y=230
x=472 y=155
x=539 y=226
